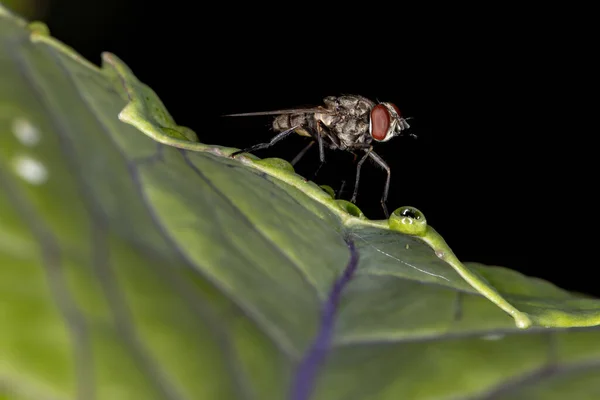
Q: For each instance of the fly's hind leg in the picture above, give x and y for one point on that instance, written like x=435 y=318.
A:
x=302 y=153
x=384 y=165
x=261 y=146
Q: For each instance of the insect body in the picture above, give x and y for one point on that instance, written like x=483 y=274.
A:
x=349 y=123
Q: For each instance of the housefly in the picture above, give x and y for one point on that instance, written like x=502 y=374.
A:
x=349 y=123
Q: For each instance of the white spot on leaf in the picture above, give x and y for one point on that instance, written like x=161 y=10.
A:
x=25 y=132
x=493 y=336
x=30 y=169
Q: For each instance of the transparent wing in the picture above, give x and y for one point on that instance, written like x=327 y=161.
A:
x=308 y=110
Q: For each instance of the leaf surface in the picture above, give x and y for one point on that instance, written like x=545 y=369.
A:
x=140 y=263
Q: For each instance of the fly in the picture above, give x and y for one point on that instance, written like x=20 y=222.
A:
x=349 y=123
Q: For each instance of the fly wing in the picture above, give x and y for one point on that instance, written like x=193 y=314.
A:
x=309 y=110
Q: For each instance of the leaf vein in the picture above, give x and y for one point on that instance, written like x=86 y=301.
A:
x=52 y=263
x=247 y=222
x=99 y=258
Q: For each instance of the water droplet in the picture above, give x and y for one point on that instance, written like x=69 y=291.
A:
x=39 y=28
x=276 y=163
x=409 y=212
x=408 y=220
x=350 y=208
x=328 y=190
x=25 y=132
x=31 y=170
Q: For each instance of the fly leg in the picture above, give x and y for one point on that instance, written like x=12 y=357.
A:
x=320 y=132
x=383 y=164
x=320 y=140
x=302 y=153
x=261 y=146
x=358 y=166
x=339 y=193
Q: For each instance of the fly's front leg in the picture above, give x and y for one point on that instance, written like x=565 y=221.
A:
x=383 y=164
x=261 y=146
x=358 y=166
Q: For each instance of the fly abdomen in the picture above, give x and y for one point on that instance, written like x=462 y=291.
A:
x=287 y=121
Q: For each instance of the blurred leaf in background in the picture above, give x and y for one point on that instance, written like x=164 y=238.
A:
x=29 y=9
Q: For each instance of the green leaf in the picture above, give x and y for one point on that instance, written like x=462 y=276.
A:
x=139 y=263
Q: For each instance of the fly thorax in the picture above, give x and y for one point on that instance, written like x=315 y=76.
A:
x=327 y=119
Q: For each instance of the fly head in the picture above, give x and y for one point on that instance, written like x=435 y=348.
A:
x=386 y=121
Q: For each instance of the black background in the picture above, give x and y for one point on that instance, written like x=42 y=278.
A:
x=501 y=167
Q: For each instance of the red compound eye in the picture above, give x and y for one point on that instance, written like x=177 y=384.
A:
x=380 y=122
x=397 y=110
